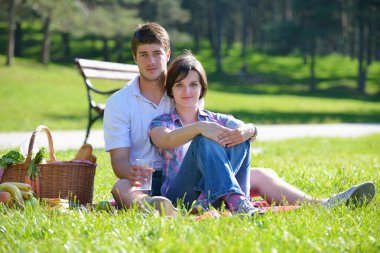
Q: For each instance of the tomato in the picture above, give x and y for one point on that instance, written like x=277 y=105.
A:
x=6 y=198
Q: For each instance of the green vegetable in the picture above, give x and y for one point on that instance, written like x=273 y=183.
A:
x=33 y=169
x=11 y=157
x=103 y=205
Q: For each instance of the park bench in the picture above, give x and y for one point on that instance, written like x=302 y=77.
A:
x=91 y=70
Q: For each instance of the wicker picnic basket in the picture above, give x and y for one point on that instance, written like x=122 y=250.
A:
x=73 y=180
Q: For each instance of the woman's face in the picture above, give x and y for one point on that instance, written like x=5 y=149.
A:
x=187 y=91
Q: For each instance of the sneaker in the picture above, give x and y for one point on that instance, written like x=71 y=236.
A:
x=161 y=204
x=357 y=195
x=200 y=206
x=244 y=207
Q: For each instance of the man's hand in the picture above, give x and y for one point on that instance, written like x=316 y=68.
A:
x=137 y=174
x=125 y=170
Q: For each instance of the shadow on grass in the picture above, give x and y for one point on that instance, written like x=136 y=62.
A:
x=276 y=84
x=71 y=117
x=269 y=117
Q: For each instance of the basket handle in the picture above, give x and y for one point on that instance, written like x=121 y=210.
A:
x=39 y=129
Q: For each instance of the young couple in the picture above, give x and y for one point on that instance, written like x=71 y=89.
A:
x=200 y=156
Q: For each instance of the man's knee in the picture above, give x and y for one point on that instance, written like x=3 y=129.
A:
x=120 y=190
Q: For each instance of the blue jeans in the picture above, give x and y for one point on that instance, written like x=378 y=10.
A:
x=213 y=170
x=156 y=183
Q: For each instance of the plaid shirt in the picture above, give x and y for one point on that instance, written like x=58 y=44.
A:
x=173 y=157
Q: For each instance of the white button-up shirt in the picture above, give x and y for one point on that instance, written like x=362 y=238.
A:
x=127 y=117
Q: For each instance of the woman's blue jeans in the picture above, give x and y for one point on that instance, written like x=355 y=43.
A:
x=212 y=169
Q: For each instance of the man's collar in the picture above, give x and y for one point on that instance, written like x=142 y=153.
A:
x=137 y=92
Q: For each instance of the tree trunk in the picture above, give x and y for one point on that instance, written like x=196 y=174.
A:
x=18 y=40
x=362 y=68
x=210 y=30
x=369 y=40
x=244 y=68
x=45 y=53
x=106 y=50
x=218 y=41
x=66 y=46
x=11 y=32
x=312 y=84
x=119 y=49
x=352 y=43
x=196 y=32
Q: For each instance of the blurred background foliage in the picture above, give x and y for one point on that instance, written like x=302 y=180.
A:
x=61 y=30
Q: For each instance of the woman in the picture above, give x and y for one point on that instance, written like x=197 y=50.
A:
x=198 y=166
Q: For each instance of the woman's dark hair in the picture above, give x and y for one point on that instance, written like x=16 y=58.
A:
x=150 y=33
x=179 y=69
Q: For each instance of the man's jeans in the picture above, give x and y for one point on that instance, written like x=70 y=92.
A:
x=213 y=170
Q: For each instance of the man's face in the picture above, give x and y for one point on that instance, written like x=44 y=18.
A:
x=152 y=61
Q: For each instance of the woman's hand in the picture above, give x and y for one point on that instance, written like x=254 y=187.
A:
x=232 y=137
x=212 y=130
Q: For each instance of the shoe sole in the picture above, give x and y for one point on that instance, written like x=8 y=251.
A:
x=363 y=194
x=162 y=205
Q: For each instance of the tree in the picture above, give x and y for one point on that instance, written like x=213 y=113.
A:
x=54 y=14
x=15 y=8
x=219 y=16
x=11 y=31
x=197 y=24
x=317 y=21
x=244 y=39
x=111 y=22
x=169 y=14
x=366 y=18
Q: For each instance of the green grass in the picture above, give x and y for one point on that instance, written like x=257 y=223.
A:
x=319 y=166
x=32 y=94
x=334 y=73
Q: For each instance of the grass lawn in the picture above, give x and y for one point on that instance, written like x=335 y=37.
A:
x=319 y=166
x=32 y=94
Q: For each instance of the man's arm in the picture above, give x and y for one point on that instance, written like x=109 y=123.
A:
x=123 y=169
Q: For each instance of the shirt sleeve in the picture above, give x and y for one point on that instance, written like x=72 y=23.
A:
x=229 y=121
x=116 y=125
x=161 y=120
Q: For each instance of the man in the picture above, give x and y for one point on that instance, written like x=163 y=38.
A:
x=126 y=121
x=128 y=114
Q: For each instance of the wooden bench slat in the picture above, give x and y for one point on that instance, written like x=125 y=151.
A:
x=111 y=75
x=93 y=64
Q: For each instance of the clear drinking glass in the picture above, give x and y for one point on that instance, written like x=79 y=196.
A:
x=146 y=185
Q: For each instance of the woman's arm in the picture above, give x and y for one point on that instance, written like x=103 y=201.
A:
x=166 y=138
x=232 y=137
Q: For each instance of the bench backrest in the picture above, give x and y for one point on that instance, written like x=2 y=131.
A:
x=92 y=69
x=106 y=70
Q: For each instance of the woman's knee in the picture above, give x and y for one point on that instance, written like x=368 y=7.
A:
x=206 y=142
x=202 y=140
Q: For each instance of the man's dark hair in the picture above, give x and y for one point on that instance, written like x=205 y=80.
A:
x=150 y=33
